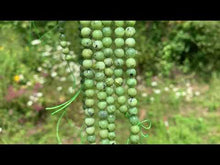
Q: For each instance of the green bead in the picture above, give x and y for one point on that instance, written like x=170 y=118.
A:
x=131 y=52
x=103 y=124
x=85 y=32
x=87 y=53
x=62 y=37
x=130 y=42
x=119 y=62
x=119 y=32
x=123 y=108
x=131 y=63
x=99 y=56
x=99 y=76
x=122 y=100
x=131 y=72
x=89 y=121
x=90 y=93
x=112 y=142
x=91 y=139
x=118 y=81
x=132 y=92
x=111 y=109
x=107 y=23
x=134 y=120
x=90 y=130
x=111 y=135
x=85 y=23
x=119 y=42
x=130 y=31
x=86 y=42
x=111 y=127
x=89 y=111
x=118 y=72
x=119 y=23
x=103 y=133
x=109 y=90
x=97 y=34
x=89 y=102
x=96 y=24
x=108 y=72
x=130 y=23
x=100 y=85
x=132 y=102
x=109 y=81
x=133 y=111
x=119 y=91
x=108 y=52
x=100 y=65
x=135 y=129
x=107 y=32
x=108 y=62
x=110 y=100
x=105 y=141
x=66 y=50
x=119 y=52
x=103 y=114
x=101 y=95
x=131 y=82
x=111 y=118
x=88 y=83
x=107 y=41
x=63 y=44
x=134 y=139
x=88 y=73
x=98 y=45
x=102 y=105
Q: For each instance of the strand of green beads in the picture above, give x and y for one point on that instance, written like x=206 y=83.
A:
x=87 y=81
x=131 y=81
x=109 y=71
x=97 y=36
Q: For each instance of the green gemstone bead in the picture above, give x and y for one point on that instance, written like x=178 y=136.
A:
x=63 y=44
x=122 y=100
x=134 y=139
x=89 y=102
x=118 y=81
x=103 y=124
x=88 y=74
x=85 y=32
x=102 y=105
x=99 y=56
x=134 y=120
x=86 y=42
x=119 y=62
x=131 y=82
x=90 y=130
x=66 y=50
x=130 y=31
x=111 y=135
x=111 y=109
x=109 y=81
x=123 y=109
x=132 y=102
x=85 y=23
x=119 y=42
x=89 y=111
x=111 y=127
x=101 y=95
x=107 y=23
x=119 y=52
x=99 y=76
x=133 y=111
x=132 y=92
x=108 y=52
x=96 y=24
x=135 y=129
x=103 y=133
x=107 y=32
x=111 y=118
x=109 y=90
x=103 y=114
x=130 y=23
x=100 y=65
x=90 y=93
x=108 y=62
x=109 y=72
x=87 y=53
x=105 y=141
x=107 y=41
x=118 y=72
x=98 y=45
x=100 y=85
x=97 y=34
x=119 y=23
x=91 y=139
x=119 y=91
x=130 y=42
x=119 y=32
x=112 y=142
x=88 y=83
x=131 y=52
x=89 y=121
x=131 y=63
x=131 y=72
x=110 y=100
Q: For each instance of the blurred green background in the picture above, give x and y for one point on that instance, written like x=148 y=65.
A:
x=178 y=82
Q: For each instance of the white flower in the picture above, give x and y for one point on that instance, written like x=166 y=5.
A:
x=144 y=94
x=178 y=94
x=29 y=83
x=0 y=129
x=183 y=93
x=166 y=123
x=39 y=69
x=63 y=79
x=53 y=74
x=59 y=88
x=197 y=93
x=21 y=77
x=154 y=83
x=166 y=89
x=175 y=89
x=157 y=91
x=188 y=84
x=35 y=42
x=46 y=54
x=29 y=103
x=70 y=89
x=59 y=47
x=39 y=94
x=33 y=98
x=152 y=99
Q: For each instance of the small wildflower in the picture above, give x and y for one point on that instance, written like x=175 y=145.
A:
x=21 y=77
x=16 y=78
x=171 y=86
x=157 y=91
x=183 y=93
x=35 y=42
x=197 y=93
x=70 y=89
x=59 y=88
x=39 y=69
x=53 y=74
x=188 y=84
x=144 y=94
x=29 y=83
x=39 y=94
x=178 y=94
x=29 y=103
x=0 y=130
x=166 y=89
x=63 y=79
x=175 y=89
x=152 y=99
x=154 y=83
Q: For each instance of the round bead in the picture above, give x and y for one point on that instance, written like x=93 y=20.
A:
x=108 y=52
x=63 y=44
x=132 y=92
x=85 y=23
x=97 y=34
x=85 y=32
x=119 y=52
x=88 y=73
x=111 y=127
x=130 y=23
x=89 y=121
x=109 y=90
x=130 y=42
x=118 y=72
x=62 y=37
x=89 y=111
x=111 y=108
x=109 y=81
x=90 y=130
x=134 y=120
x=86 y=42
x=111 y=118
x=108 y=62
x=99 y=56
x=99 y=76
x=118 y=81
x=107 y=32
x=105 y=141
x=131 y=52
x=101 y=95
x=132 y=102
x=100 y=65
x=135 y=129
x=103 y=124
x=129 y=31
x=89 y=102
x=133 y=111
x=131 y=72
x=134 y=139
x=111 y=135
x=88 y=83
x=119 y=62
x=110 y=100
x=130 y=63
x=119 y=42
x=66 y=50
x=98 y=45
x=103 y=114
x=107 y=41
x=131 y=82
x=121 y=100
x=123 y=108
x=119 y=32
x=119 y=23
x=87 y=64
x=96 y=24
x=103 y=133
x=102 y=105
x=87 y=53
x=107 y=23
x=91 y=139
x=119 y=91
x=90 y=93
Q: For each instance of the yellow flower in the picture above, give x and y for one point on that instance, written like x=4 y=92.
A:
x=1 y=48
x=17 y=78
